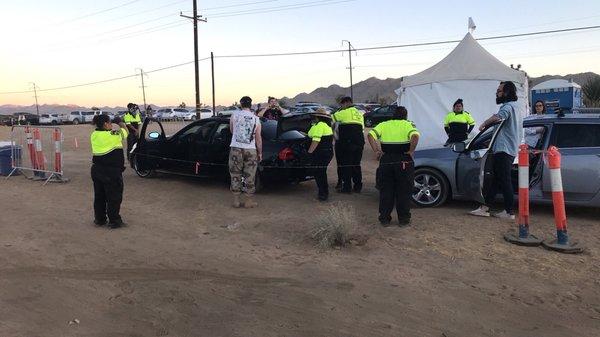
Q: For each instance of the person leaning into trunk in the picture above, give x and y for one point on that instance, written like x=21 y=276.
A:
x=503 y=151
x=394 y=141
x=132 y=120
x=350 y=144
x=321 y=150
x=108 y=164
x=245 y=153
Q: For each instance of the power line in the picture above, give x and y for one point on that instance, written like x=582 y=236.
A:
x=278 y=8
x=322 y=52
x=99 y=12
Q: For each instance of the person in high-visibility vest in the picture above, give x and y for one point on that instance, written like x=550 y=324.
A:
x=108 y=164
x=349 y=145
x=132 y=120
x=458 y=123
x=394 y=141
x=321 y=150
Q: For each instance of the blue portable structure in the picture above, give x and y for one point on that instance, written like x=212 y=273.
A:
x=556 y=94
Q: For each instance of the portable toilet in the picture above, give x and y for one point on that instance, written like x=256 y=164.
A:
x=556 y=94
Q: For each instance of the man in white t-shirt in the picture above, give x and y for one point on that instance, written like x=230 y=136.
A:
x=245 y=153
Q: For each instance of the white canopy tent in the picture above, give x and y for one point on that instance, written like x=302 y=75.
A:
x=468 y=72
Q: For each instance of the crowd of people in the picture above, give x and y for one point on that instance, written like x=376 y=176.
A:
x=341 y=134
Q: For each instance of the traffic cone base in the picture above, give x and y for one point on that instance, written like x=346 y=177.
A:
x=569 y=248
x=529 y=240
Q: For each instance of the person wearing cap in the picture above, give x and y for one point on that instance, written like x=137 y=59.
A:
x=321 y=150
x=108 y=164
x=245 y=153
x=132 y=120
x=394 y=141
x=350 y=145
x=458 y=123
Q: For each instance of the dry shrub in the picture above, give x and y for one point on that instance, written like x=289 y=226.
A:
x=334 y=226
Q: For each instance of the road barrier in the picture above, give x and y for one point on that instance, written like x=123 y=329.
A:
x=524 y=238
x=561 y=243
x=43 y=158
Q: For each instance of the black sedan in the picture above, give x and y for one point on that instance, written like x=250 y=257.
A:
x=202 y=149
x=372 y=118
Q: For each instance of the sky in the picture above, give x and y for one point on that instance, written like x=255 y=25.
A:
x=62 y=43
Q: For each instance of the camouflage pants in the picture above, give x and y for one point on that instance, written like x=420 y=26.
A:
x=242 y=169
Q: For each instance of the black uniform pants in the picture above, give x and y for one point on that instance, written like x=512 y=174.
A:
x=108 y=192
x=321 y=159
x=131 y=139
x=396 y=182
x=502 y=166
x=348 y=158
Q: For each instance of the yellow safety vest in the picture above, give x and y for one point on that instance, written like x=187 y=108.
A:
x=318 y=130
x=463 y=118
x=129 y=118
x=394 y=135
x=105 y=141
x=349 y=115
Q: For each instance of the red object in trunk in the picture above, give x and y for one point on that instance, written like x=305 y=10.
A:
x=286 y=154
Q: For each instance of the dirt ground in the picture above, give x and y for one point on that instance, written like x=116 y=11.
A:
x=190 y=265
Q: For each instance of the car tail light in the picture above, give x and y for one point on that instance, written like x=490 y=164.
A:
x=286 y=154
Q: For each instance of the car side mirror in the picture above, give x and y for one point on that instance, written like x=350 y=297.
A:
x=154 y=135
x=459 y=147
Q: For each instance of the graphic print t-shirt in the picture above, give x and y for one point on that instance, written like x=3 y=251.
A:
x=244 y=125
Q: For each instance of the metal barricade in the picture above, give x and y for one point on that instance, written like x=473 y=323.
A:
x=37 y=152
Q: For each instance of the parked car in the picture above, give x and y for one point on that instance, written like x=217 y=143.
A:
x=205 y=113
x=76 y=117
x=202 y=149
x=52 y=119
x=367 y=107
x=379 y=115
x=229 y=111
x=24 y=118
x=458 y=172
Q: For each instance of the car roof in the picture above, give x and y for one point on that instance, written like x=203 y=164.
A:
x=562 y=118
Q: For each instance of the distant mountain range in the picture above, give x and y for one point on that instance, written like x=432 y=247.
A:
x=369 y=90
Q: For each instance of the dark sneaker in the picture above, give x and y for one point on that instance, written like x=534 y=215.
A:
x=322 y=197
x=99 y=223
x=357 y=188
x=117 y=224
x=385 y=222
x=403 y=222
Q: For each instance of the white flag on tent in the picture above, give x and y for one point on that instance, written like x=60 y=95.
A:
x=471 y=25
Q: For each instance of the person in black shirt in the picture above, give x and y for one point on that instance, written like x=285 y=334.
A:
x=272 y=110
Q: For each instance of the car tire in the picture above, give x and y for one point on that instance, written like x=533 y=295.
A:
x=75 y=121
x=431 y=188
x=148 y=173
x=368 y=122
x=54 y=122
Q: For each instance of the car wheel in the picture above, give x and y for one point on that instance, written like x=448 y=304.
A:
x=144 y=173
x=54 y=123
x=368 y=122
x=75 y=121
x=431 y=188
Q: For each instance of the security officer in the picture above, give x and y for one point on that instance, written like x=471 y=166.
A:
x=394 y=141
x=107 y=168
x=349 y=145
x=321 y=150
x=132 y=120
x=458 y=123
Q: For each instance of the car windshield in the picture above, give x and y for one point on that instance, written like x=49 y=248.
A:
x=45 y=116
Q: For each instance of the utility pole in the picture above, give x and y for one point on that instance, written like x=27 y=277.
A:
x=37 y=107
x=212 y=71
x=350 y=48
x=143 y=87
x=196 y=18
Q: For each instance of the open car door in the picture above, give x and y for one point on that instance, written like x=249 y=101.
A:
x=145 y=153
x=474 y=167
